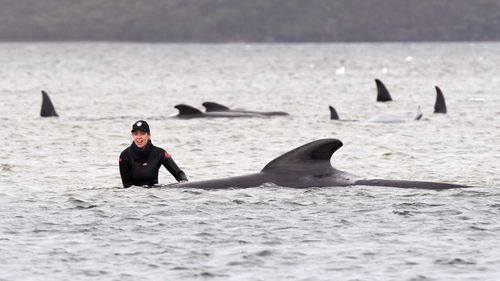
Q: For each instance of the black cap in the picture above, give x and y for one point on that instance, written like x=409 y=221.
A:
x=140 y=125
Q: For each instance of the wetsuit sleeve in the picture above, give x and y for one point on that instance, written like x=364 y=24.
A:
x=125 y=170
x=172 y=167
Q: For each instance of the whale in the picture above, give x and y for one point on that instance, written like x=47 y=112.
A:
x=48 y=109
x=383 y=96
x=382 y=92
x=309 y=166
x=217 y=107
x=439 y=107
x=333 y=113
x=189 y=112
x=387 y=118
x=440 y=104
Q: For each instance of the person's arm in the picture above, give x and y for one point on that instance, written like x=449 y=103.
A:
x=172 y=167
x=125 y=171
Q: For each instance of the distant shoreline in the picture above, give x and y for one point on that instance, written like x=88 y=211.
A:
x=256 y=21
x=237 y=43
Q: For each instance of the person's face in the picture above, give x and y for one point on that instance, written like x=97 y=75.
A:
x=140 y=138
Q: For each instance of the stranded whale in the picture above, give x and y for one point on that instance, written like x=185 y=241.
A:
x=48 y=109
x=388 y=118
x=309 y=166
x=217 y=107
x=439 y=107
x=189 y=112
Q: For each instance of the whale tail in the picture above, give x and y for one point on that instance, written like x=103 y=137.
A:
x=382 y=92
x=48 y=109
x=213 y=106
x=440 y=104
x=333 y=113
x=409 y=184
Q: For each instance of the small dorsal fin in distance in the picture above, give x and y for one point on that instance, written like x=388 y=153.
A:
x=187 y=109
x=418 y=114
x=382 y=92
x=315 y=155
x=48 y=109
x=333 y=113
x=213 y=106
x=440 y=104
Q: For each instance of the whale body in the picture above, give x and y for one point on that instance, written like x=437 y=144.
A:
x=189 y=112
x=387 y=118
x=309 y=166
x=217 y=107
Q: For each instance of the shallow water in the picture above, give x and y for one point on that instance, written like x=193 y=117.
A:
x=64 y=214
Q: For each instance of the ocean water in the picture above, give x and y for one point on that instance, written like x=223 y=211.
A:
x=64 y=215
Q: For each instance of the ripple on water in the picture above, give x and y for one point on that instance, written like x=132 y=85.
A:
x=65 y=214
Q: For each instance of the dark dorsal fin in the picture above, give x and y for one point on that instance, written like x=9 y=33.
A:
x=440 y=105
x=187 y=109
x=333 y=113
x=48 y=109
x=314 y=155
x=213 y=106
x=382 y=93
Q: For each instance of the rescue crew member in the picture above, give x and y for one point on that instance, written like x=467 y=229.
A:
x=141 y=161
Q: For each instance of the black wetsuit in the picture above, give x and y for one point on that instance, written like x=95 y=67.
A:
x=140 y=167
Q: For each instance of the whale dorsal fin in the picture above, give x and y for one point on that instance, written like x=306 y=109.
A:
x=418 y=114
x=314 y=155
x=440 y=105
x=187 y=109
x=382 y=92
x=213 y=106
x=333 y=113
x=48 y=109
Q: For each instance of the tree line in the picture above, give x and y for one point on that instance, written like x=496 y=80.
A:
x=250 y=20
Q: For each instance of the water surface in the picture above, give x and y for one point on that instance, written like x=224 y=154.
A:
x=64 y=214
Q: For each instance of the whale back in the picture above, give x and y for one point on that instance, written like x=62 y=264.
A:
x=309 y=166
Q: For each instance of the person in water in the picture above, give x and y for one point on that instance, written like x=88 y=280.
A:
x=141 y=161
